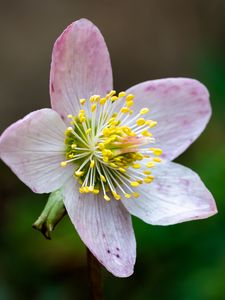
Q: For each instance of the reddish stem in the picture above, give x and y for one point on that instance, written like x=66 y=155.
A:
x=94 y=277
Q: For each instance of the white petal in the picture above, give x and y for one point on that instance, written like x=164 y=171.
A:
x=176 y=195
x=105 y=228
x=180 y=106
x=33 y=148
x=80 y=67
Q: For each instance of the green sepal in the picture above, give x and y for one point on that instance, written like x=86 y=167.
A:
x=51 y=215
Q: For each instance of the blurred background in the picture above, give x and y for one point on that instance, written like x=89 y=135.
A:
x=147 y=39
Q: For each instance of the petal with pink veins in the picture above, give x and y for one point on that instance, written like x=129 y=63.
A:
x=176 y=195
x=80 y=67
x=180 y=106
x=33 y=148
x=105 y=228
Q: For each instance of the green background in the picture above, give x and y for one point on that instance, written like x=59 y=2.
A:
x=147 y=40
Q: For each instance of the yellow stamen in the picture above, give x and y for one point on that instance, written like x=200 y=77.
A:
x=79 y=173
x=129 y=97
x=114 y=98
x=156 y=151
x=82 y=101
x=146 y=133
x=144 y=111
x=93 y=107
x=125 y=110
x=116 y=196
x=135 y=195
x=106 y=198
x=140 y=121
x=157 y=159
x=136 y=166
x=147 y=172
x=130 y=103
x=134 y=183
x=150 y=164
x=127 y=195
x=121 y=94
x=102 y=101
x=92 y=164
x=103 y=178
x=151 y=123
x=96 y=191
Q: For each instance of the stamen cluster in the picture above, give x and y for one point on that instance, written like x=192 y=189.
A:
x=109 y=147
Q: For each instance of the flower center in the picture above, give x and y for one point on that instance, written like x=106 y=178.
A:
x=109 y=147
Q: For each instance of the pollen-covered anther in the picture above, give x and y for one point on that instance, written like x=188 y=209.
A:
x=150 y=164
x=106 y=197
x=144 y=111
x=129 y=97
x=136 y=166
x=146 y=133
x=151 y=123
x=92 y=164
x=121 y=94
x=148 y=179
x=93 y=107
x=82 y=101
x=127 y=195
x=102 y=101
x=95 y=191
x=73 y=146
x=63 y=164
x=134 y=183
x=129 y=103
x=79 y=173
x=135 y=195
x=156 y=151
x=114 y=98
x=94 y=98
x=125 y=110
x=147 y=172
x=157 y=159
x=140 y=122
x=116 y=196
x=103 y=178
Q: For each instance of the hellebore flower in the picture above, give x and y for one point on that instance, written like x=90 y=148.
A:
x=104 y=151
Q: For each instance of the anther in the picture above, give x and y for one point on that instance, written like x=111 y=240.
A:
x=106 y=197
x=92 y=164
x=129 y=97
x=144 y=111
x=82 y=101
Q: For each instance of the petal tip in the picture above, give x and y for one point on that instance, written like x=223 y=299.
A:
x=123 y=271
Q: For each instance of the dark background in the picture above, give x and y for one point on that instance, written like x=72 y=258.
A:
x=147 y=39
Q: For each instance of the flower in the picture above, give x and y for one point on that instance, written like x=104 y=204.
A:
x=103 y=149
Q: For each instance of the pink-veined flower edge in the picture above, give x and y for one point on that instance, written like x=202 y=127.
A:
x=34 y=148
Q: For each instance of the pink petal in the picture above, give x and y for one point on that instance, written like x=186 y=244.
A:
x=176 y=195
x=80 y=67
x=180 y=106
x=105 y=228
x=33 y=148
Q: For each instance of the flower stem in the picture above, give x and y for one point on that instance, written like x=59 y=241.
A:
x=94 y=277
